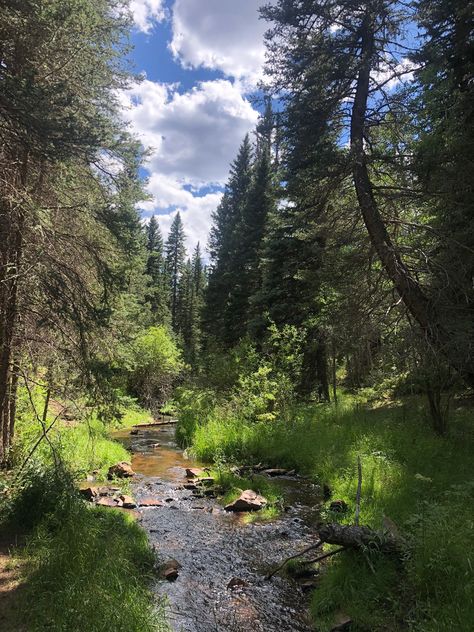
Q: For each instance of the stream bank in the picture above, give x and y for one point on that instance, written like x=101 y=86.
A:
x=223 y=561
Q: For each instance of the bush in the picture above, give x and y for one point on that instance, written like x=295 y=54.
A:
x=155 y=366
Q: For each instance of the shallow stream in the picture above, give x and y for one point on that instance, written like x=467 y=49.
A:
x=214 y=547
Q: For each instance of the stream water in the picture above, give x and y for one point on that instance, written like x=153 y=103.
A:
x=214 y=547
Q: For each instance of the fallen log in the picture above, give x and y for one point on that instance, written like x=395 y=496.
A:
x=350 y=536
x=153 y=424
x=360 y=537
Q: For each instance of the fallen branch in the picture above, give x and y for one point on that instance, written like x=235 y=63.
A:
x=313 y=547
x=323 y=557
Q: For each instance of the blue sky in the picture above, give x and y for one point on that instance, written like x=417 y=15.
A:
x=201 y=60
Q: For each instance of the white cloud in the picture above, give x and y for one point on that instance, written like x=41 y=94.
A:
x=195 y=209
x=193 y=137
x=146 y=12
x=392 y=74
x=224 y=35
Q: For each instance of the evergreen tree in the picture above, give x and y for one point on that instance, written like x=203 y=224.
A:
x=155 y=268
x=225 y=290
x=175 y=256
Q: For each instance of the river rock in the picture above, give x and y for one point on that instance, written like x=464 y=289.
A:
x=128 y=502
x=120 y=470
x=134 y=431
x=89 y=493
x=170 y=570
x=339 y=506
x=247 y=501
x=105 y=501
x=236 y=582
x=194 y=472
x=150 y=502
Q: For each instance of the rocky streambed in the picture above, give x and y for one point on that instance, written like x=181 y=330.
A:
x=215 y=563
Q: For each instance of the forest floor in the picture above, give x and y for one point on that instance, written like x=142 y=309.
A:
x=11 y=585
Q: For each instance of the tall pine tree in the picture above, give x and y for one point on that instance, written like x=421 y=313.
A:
x=175 y=257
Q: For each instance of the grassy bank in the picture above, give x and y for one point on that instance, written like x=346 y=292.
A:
x=84 y=568
x=423 y=483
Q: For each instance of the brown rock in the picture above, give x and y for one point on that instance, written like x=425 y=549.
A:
x=89 y=493
x=236 y=582
x=120 y=470
x=194 y=472
x=170 y=570
x=150 y=502
x=105 y=501
x=128 y=502
x=247 y=501
x=339 y=506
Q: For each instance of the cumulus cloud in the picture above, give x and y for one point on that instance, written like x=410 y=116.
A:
x=193 y=137
x=146 y=12
x=222 y=35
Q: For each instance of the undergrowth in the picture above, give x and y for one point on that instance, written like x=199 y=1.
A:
x=422 y=483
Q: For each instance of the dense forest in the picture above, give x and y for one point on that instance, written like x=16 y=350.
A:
x=327 y=327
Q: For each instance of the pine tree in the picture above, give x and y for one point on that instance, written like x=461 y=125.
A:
x=175 y=257
x=225 y=290
x=155 y=268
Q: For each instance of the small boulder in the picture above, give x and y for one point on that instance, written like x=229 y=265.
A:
x=120 y=470
x=170 y=570
x=150 y=502
x=194 y=472
x=156 y=445
x=247 y=501
x=339 y=506
x=134 y=431
x=128 y=502
x=105 y=501
x=89 y=493
x=236 y=582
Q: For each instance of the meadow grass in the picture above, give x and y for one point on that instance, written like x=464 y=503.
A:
x=421 y=482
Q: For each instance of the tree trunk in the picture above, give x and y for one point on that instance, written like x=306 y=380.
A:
x=417 y=303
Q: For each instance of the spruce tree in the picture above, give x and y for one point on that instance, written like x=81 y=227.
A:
x=175 y=257
x=155 y=268
x=226 y=292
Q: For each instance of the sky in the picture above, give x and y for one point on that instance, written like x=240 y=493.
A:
x=201 y=61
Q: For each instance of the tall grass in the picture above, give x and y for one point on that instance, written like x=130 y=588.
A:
x=421 y=482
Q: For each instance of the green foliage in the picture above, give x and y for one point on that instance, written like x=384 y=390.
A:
x=156 y=365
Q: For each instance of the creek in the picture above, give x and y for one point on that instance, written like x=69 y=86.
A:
x=221 y=584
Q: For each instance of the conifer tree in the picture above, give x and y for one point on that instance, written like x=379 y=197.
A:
x=175 y=257
x=225 y=289
x=155 y=268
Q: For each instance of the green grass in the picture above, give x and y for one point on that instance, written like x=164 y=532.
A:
x=232 y=486
x=422 y=482
x=88 y=568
